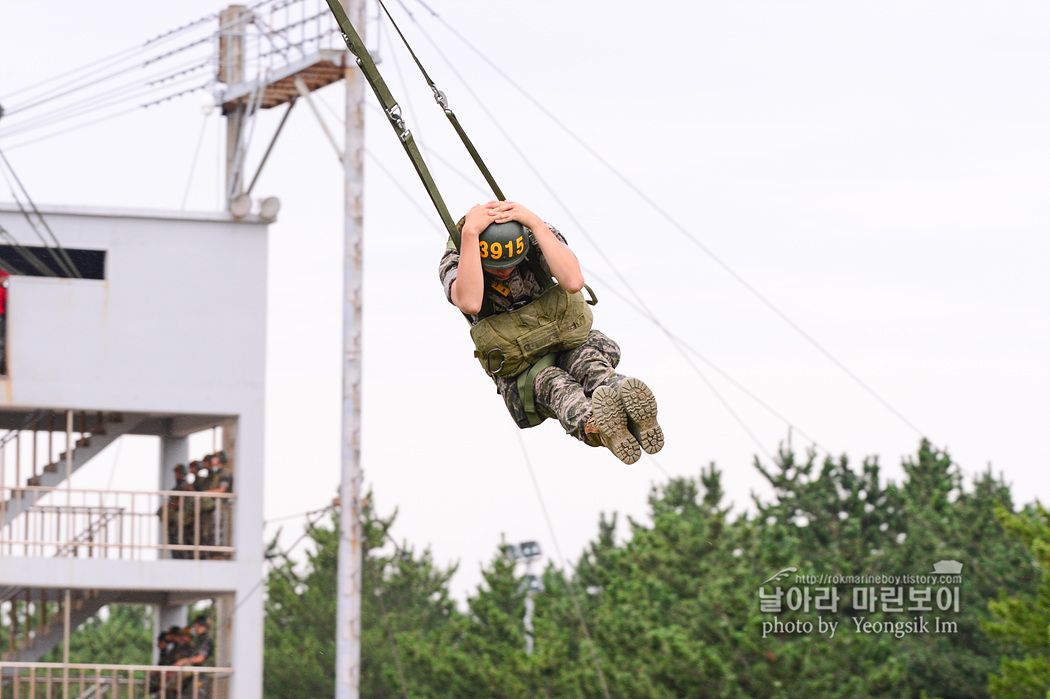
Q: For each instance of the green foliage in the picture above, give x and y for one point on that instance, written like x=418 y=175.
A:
x=1023 y=621
x=119 y=635
x=404 y=602
x=670 y=607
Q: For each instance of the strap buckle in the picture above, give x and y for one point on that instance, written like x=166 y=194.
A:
x=394 y=114
x=350 y=46
x=488 y=361
x=440 y=98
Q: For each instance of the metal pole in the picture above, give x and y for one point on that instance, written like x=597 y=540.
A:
x=232 y=23
x=348 y=603
x=65 y=644
x=69 y=476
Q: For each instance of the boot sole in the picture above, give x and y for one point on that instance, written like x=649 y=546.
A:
x=611 y=419
x=640 y=405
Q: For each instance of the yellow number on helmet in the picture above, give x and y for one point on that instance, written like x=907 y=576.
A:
x=520 y=242
x=496 y=251
x=484 y=248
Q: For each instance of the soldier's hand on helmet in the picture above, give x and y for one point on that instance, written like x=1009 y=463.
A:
x=511 y=211
x=477 y=219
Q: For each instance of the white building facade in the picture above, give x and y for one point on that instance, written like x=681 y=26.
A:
x=168 y=340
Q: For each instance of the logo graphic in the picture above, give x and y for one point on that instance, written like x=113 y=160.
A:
x=928 y=600
x=781 y=575
x=947 y=568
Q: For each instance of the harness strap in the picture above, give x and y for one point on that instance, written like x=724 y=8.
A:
x=527 y=388
x=442 y=101
x=393 y=112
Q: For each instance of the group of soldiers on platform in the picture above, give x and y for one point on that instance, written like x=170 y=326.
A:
x=208 y=475
x=179 y=647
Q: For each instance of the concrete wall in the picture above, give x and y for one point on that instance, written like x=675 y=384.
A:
x=177 y=327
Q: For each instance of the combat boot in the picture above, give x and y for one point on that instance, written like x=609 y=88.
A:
x=608 y=426
x=640 y=406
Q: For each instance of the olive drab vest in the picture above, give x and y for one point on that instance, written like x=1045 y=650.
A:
x=508 y=343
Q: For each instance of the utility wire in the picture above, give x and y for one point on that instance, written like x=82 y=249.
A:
x=79 y=87
x=104 y=62
x=263 y=579
x=62 y=258
x=112 y=58
x=75 y=127
x=284 y=518
x=430 y=153
x=410 y=112
x=74 y=86
x=631 y=304
x=156 y=83
x=27 y=254
x=565 y=577
x=193 y=165
x=392 y=642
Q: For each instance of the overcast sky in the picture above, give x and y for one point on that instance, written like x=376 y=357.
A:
x=877 y=172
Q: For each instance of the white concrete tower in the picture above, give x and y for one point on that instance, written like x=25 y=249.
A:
x=168 y=339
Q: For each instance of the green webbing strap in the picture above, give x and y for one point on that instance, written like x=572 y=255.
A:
x=393 y=112
x=442 y=101
x=527 y=389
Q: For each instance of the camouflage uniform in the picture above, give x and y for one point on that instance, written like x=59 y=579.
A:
x=212 y=523
x=562 y=391
x=174 y=524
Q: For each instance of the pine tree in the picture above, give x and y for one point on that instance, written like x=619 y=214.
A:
x=120 y=634
x=1023 y=621
x=404 y=605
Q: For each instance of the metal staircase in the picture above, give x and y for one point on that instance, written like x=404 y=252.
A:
x=36 y=619
x=96 y=432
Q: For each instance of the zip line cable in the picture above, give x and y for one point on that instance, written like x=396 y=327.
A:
x=631 y=304
x=392 y=642
x=309 y=526
x=31 y=126
x=565 y=577
x=60 y=255
x=75 y=127
x=28 y=256
x=410 y=111
x=112 y=58
x=442 y=101
x=77 y=85
x=663 y=213
x=158 y=82
x=298 y=515
x=17 y=109
x=431 y=153
x=101 y=63
x=193 y=165
x=151 y=96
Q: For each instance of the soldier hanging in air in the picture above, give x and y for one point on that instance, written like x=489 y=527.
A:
x=520 y=286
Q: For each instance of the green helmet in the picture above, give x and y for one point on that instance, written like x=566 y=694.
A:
x=503 y=245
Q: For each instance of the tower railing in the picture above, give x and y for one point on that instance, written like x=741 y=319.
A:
x=116 y=524
x=83 y=681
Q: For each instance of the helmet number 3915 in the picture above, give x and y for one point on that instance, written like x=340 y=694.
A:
x=495 y=251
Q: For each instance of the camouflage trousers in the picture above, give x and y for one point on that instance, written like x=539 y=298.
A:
x=563 y=391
